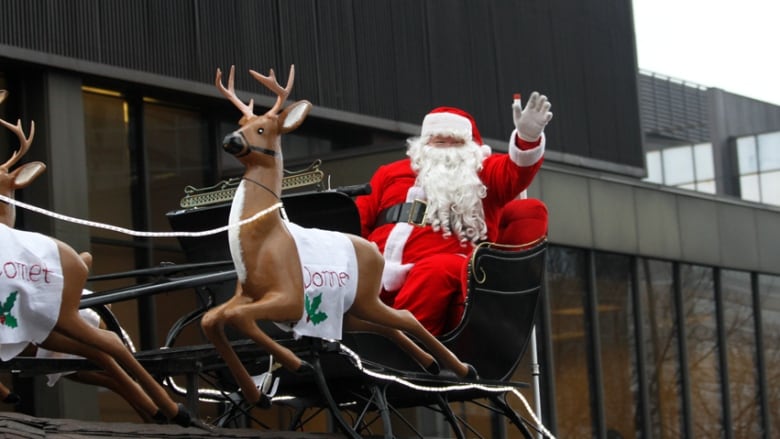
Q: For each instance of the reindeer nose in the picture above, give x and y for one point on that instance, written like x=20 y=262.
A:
x=233 y=143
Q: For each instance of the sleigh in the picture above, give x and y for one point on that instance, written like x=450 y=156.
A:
x=365 y=380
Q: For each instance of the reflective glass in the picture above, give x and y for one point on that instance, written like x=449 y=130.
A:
x=707 y=186
x=175 y=145
x=654 y=170
x=678 y=165
x=705 y=167
x=738 y=321
x=701 y=339
x=769 y=293
x=769 y=151
x=109 y=174
x=662 y=361
x=747 y=155
x=618 y=353
x=749 y=188
x=770 y=187
x=566 y=274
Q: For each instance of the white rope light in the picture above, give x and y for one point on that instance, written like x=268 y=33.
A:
x=464 y=386
x=125 y=231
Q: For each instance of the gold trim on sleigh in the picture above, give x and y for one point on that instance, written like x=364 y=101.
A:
x=225 y=189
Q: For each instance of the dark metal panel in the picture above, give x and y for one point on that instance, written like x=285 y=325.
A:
x=411 y=60
x=298 y=33
x=568 y=201
x=658 y=234
x=699 y=234
x=613 y=217
x=738 y=236
x=337 y=59
x=768 y=228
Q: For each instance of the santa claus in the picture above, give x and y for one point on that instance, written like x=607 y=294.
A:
x=427 y=212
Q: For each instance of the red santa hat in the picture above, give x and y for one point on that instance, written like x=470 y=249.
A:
x=451 y=121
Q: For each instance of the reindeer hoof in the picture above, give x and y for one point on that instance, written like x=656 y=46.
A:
x=159 y=417
x=304 y=369
x=471 y=373
x=12 y=398
x=433 y=368
x=182 y=417
x=264 y=402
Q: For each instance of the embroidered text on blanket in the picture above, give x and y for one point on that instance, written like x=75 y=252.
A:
x=33 y=273
x=324 y=278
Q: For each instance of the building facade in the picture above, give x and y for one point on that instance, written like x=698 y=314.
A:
x=661 y=309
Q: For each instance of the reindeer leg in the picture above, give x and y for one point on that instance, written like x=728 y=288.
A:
x=367 y=306
x=279 y=306
x=71 y=324
x=213 y=324
x=115 y=378
x=426 y=360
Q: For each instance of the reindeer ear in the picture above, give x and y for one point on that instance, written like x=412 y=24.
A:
x=293 y=116
x=27 y=173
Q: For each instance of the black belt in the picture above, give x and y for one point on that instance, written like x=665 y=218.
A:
x=412 y=213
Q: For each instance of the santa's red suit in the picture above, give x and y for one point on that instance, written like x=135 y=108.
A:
x=424 y=269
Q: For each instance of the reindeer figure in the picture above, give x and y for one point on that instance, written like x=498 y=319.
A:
x=280 y=278
x=41 y=284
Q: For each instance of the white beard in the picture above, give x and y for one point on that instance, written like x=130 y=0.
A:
x=449 y=176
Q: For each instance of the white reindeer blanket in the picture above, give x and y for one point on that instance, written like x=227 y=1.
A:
x=329 y=268
x=30 y=289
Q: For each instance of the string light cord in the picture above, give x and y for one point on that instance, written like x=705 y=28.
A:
x=454 y=387
x=130 y=232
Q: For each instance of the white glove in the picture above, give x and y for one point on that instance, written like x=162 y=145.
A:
x=530 y=122
x=394 y=275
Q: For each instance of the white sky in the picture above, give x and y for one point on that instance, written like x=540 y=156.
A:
x=733 y=45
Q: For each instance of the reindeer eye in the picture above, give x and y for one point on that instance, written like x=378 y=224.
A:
x=259 y=131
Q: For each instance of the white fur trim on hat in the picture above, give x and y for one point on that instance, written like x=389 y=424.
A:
x=446 y=123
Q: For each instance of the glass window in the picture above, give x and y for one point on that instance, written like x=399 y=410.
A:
x=770 y=187
x=702 y=348
x=749 y=187
x=177 y=156
x=618 y=355
x=705 y=167
x=566 y=274
x=678 y=165
x=707 y=186
x=656 y=292
x=769 y=151
x=769 y=294
x=747 y=155
x=738 y=320
x=654 y=169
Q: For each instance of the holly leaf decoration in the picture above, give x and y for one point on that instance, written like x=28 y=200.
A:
x=313 y=313
x=5 y=311
x=10 y=321
x=6 y=307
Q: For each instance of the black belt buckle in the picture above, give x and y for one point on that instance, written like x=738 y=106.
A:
x=417 y=213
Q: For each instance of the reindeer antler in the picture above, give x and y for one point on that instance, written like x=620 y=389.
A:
x=272 y=84
x=24 y=142
x=230 y=93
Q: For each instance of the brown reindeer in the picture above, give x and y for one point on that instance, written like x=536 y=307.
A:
x=49 y=279
x=267 y=253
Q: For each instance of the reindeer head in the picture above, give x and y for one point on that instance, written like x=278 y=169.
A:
x=259 y=135
x=20 y=177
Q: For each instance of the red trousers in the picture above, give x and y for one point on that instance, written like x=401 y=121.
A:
x=434 y=291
